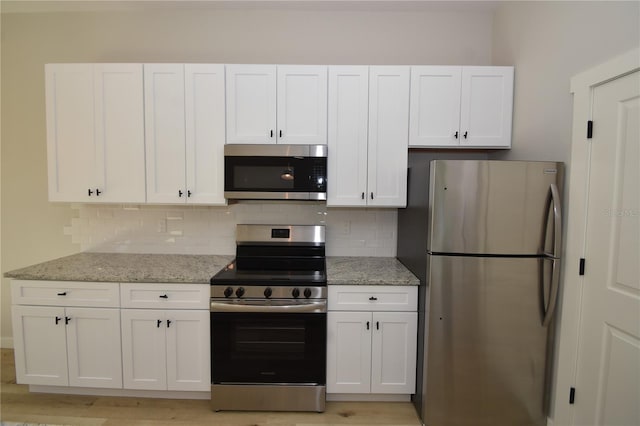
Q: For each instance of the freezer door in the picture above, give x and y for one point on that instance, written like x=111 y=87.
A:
x=486 y=348
x=491 y=207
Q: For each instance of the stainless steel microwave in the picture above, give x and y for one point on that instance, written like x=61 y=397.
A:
x=275 y=172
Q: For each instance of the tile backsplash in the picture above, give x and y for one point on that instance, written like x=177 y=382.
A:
x=211 y=230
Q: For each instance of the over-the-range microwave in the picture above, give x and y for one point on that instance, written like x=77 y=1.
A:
x=275 y=172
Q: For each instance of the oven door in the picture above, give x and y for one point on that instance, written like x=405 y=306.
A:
x=268 y=348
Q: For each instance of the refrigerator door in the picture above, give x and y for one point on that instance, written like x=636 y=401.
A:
x=491 y=207
x=486 y=348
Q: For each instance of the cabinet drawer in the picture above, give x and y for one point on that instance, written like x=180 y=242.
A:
x=65 y=293
x=165 y=296
x=372 y=298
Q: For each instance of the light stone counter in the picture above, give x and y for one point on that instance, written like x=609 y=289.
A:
x=368 y=271
x=182 y=268
x=126 y=267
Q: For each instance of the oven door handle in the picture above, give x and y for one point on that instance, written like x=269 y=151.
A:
x=319 y=306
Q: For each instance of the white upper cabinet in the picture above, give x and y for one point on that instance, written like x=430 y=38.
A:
x=461 y=106
x=388 y=136
x=184 y=108
x=368 y=136
x=95 y=132
x=347 y=135
x=276 y=104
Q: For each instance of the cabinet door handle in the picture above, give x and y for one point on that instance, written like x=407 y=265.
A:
x=168 y=323
x=89 y=192
x=280 y=133
x=58 y=320
x=373 y=298
x=456 y=135
x=363 y=195
x=180 y=193
x=158 y=323
x=372 y=195
x=270 y=133
x=98 y=192
x=188 y=193
x=64 y=293
x=367 y=325
x=377 y=325
x=465 y=134
x=66 y=320
x=164 y=296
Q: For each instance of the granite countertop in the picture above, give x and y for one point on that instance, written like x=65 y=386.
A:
x=198 y=269
x=126 y=267
x=368 y=271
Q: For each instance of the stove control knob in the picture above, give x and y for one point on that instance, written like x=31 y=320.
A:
x=307 y=293
x=268 y=292
x=240 y=292
x=295 y=293
x=228 y=292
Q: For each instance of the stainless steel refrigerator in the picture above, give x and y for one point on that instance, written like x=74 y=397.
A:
x=485 y=239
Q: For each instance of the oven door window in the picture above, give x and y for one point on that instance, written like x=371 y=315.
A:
x=282 y=174
x=268 y=348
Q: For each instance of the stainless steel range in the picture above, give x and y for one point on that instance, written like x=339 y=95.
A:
x=268 y=321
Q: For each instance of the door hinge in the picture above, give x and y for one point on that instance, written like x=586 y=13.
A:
x=581 y=268
x=589 y=129
x=572 y=395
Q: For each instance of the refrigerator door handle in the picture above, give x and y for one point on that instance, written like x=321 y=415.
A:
x=553 y=201
x=553 y=292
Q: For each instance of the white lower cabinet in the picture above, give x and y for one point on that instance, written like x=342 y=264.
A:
x=371 y=351
x=66 y=346
x=165 y=348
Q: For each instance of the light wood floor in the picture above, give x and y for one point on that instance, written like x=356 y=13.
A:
x=18 y=405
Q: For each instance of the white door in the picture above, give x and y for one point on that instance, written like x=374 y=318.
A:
x=251 y=103
x=486 y=106
x=40 y=347
x=608 y=369
x=71 y=150
x=165 y=133
x=348 y=352
x=347 y=139
x=144 y=359
x=205 y=133
x=302 y=104
x=393 y=352
x=93 y=347
x=188 y=350
x=388 y=136
x=435 y=106
x=119 y=134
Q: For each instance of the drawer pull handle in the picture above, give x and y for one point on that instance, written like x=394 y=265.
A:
x=158 y=324
x=168 y=323
x=58 y=320
x=164 y=296
x=373 y=298
x=64 y=293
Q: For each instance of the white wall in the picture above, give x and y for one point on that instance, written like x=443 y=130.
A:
x=33 y=230
x=548 y=42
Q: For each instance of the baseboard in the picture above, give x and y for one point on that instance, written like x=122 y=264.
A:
x=120 y=392
x=6 y=342
x=365 y=397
